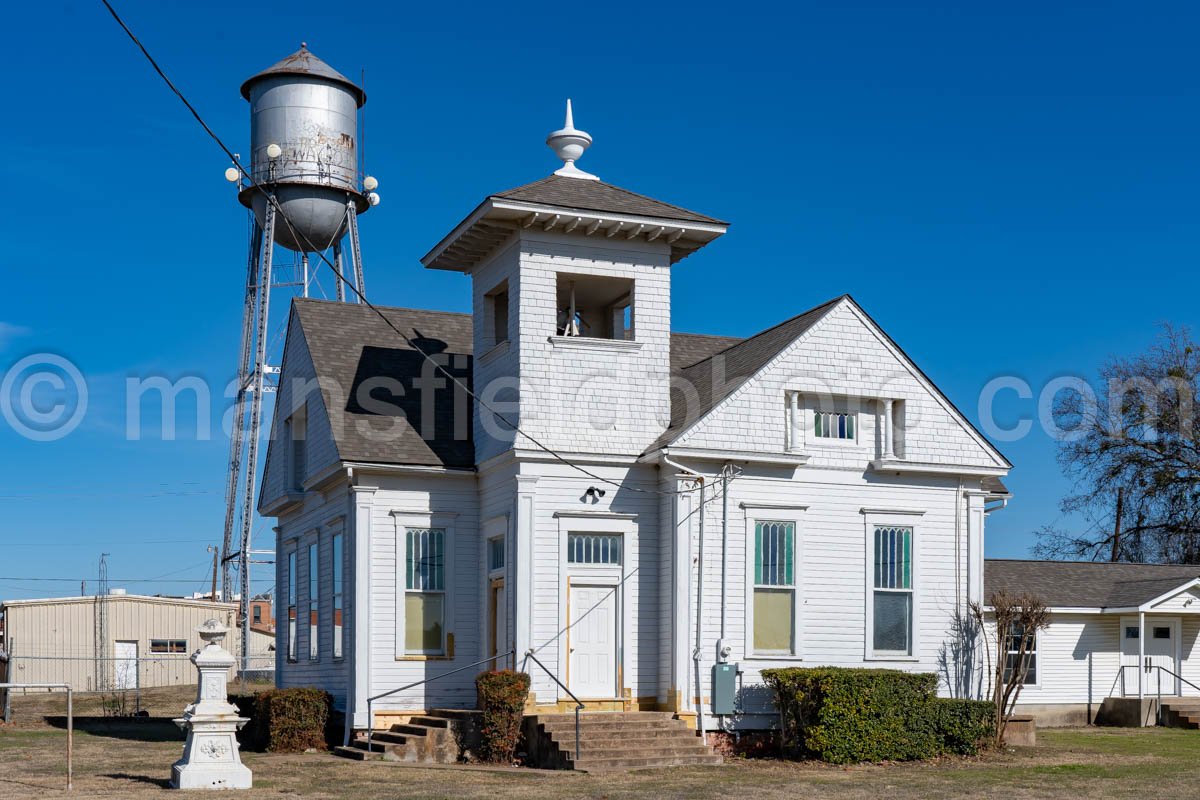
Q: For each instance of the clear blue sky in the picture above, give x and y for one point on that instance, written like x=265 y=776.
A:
x=1007 y=190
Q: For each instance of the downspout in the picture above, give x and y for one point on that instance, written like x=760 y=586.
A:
x=351 y=663
x=698 y=649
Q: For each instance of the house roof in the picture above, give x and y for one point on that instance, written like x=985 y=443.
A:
x=1085 y=584
x=353 y=349
x=573 y=193
x=586 y=207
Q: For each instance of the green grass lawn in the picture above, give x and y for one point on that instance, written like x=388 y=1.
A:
x=133 y=759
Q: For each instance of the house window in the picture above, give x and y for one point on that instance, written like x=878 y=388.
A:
x=495 y=549
x=1012 y=649
x=173 y=646
x=313 y=603
x=425 y=591
x=291 y=606
x=893 y=590
x=1131 y=632
x=1163 y=632
x=337 y=596
x=257 y=615
x=594 y=548
x=834 y=425
x=594 y=306
x=774 y=587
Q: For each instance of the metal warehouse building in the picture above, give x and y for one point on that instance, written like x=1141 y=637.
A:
x=113 y=642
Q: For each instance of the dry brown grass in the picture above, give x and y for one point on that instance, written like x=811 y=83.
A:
x=133 y=758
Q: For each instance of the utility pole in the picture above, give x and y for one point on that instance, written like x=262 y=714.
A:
x=215 y=551
x=1116 y=539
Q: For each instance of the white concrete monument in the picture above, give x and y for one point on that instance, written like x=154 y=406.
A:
x=210 y=756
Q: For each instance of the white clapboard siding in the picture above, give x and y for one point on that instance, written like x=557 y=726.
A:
x=1079 y=657
x=317 y=519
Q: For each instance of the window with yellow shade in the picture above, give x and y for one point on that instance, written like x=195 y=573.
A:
x=774 y=587
x=425 y=591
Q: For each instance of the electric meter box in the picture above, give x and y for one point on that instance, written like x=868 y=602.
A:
x=724 y=688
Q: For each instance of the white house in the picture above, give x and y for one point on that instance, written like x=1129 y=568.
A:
x=1118 y=634
x=673 y=501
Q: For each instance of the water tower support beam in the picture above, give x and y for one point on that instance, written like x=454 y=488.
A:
x=356 y=250
x=238 y=433
x=339 y=266
x=260 y=366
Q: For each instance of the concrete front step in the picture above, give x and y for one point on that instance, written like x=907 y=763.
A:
x=602 y=764
x=609 y=741
x=357 y=753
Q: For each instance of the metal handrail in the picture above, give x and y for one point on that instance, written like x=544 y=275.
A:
x=578 y=703
x=1177 y=676
x=371 y=700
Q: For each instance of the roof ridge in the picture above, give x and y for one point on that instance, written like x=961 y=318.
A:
x=327 y=302
x=1093 y=563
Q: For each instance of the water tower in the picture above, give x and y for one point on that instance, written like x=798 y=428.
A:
x=305 y=189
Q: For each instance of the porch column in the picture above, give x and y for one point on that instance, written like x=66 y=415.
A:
x=522 y=571
x=1141 y=659
x=362 y=500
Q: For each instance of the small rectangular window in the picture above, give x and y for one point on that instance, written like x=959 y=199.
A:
x=425 y=595
x=171 y=646
x=258 y=615
x=495 y=549
x=595 y=306
x=834 y=425
x=893 y=590
x=336 y=547
x=296 y=430
x=774 y=587
x=1163 y=632
x=594 y=548
x=1131 y=632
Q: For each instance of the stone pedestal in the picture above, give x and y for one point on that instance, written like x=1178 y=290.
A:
x=210 y=756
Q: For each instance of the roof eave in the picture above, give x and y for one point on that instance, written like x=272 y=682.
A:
x=503 y=216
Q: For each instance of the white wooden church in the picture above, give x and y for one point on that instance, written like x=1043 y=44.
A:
x=676 y=506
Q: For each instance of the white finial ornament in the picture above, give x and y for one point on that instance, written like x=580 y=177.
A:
x=569 y=144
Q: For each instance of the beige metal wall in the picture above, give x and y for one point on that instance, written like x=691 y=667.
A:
x=54 y=641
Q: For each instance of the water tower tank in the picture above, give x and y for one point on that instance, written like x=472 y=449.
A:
x=304 y=148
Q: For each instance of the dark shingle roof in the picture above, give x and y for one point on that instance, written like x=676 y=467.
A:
x=351 y=348
x=737 y=364
x=1085 y=584
x=587 y=195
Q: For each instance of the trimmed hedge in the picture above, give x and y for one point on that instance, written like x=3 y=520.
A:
x=844 y=716
x=965 y=726
x=502 y=697
x=284 y=720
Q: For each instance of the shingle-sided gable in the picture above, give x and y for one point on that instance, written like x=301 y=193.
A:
x=841 y=353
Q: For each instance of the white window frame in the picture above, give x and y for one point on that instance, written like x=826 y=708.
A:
x=313 y=562
x=891 y=518
x=424 y=519
x=291 y=632
x=1037 y=641
x=337 y=594
x=775 y=512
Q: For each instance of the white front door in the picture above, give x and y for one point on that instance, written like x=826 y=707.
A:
x=593 y=641
x=125 y=667
x=1161 y=649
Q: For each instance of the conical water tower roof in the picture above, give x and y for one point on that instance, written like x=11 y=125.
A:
x=302 y=62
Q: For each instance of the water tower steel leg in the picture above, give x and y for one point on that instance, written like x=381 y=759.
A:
x=356 y=250
x=237 y=435
x=256 y=401
x=339 y=266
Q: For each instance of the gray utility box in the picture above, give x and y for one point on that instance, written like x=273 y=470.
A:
x=724 y=688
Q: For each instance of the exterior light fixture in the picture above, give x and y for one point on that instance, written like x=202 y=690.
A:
x=370 y=184
x=274 y=151
x=231 y=174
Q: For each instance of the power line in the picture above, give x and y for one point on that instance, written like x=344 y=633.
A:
x=301 y=237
